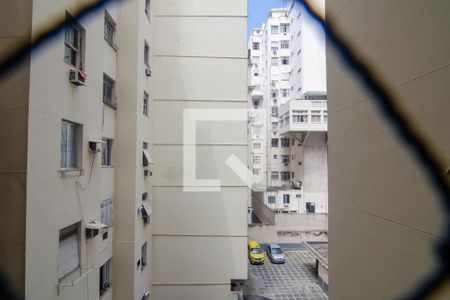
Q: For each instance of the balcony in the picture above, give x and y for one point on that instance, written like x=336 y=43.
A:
x=256 y=94
x=302 y=116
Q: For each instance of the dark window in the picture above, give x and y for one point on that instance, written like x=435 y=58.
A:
x=74 y=38
x=105 y=277
x=110 y=30
x=109 y=90
x=271 y=199
x=274 y=143
x=107 y=148
x=285 y=199
x=145 y=108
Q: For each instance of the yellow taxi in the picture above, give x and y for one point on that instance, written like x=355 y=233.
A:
x=255 y=253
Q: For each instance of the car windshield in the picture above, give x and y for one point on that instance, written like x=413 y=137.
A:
x=276 y=251
x=256 y=251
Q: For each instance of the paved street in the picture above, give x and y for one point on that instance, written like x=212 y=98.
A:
x=292 y=281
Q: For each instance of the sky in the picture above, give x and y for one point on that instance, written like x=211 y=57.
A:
x=258 y=10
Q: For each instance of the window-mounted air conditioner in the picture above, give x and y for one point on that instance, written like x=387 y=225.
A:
x=95 y=146
x=148 y=72
x=93 y=229
x=77 y=77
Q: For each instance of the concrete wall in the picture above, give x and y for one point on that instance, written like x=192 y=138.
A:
x=385 y=218
x=14 y=89
x=263 y=212
x=200 y=61
x=291 y=228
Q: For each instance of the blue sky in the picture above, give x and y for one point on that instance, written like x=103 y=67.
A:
x=258 y=10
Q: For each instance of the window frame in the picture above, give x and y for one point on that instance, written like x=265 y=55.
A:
x=75 y=159
x=107 y=212
x=107 y=152
x=105 y=273
x=108 y=82
x=79 y=51
x=65 y=234
x=110 y=26
x=145 y=108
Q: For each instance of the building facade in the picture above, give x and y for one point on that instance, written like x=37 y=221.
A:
x=92 y=207
x=288 y=112
x=385 y=215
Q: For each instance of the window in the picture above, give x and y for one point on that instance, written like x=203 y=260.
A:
x=274 y=110
x=274 y=156
x=145 y=107
x=315 y=116
x=106 y=209
x=147 y=8
x=284 y=93
x=284 y=28
x=285 y=159
x=257 y=146
x=274 y=143
x=256 y=159
x=285 y=142
x=271 y=199
x=110 y=30
x=274 y=93
x=286 y=199
x=256 y=171
x=292 y=176
x=274 y=126
x=146 y=54
x=275 y=175
x=74 y=39
x=285 y=76
x=274 y=61
x=274 y=29
x=107 y=146
x=144 y=255
x=256 y=74
x=257 y=130
x=146 y=158
x=325 y=116
x=310 y=207
x=284 y=44
x=274 y=46
x=105 y=277
x=109 y=90
x=144 y=196
x=69 y=251
x=70 y=145
x=255 y=46
x=285 y=175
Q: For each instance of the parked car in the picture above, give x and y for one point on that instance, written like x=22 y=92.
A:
x=255 y=253
x=275 y=254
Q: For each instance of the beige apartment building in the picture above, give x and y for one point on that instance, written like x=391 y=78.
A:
x=91 y=164
x=385 y=217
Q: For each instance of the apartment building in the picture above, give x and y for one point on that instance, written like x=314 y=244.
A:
x=82 y=147
x=288 y=117
x=385 y=215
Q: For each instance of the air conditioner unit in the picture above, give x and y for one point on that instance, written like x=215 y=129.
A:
x=93 y=229
x=148 y=72
x=95 y=146
x=77 y=77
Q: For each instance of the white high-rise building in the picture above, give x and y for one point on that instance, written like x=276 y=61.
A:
x=288 y=112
